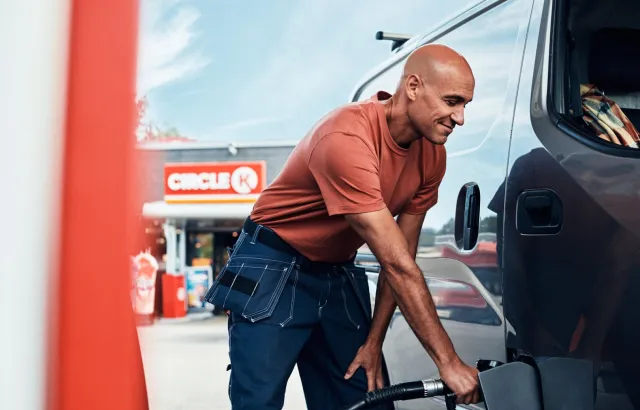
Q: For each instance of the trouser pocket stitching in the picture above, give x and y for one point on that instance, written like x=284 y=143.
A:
x=293 y=301
x=213 y=291
x=254 y=290
x=353 y=279
x=232 y=283
x=267 y=311
x=281 y=285
x=257 y=314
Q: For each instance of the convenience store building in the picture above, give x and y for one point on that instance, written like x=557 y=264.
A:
x=197 y=196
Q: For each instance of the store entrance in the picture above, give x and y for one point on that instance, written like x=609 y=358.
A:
x=221 y=242
x=207 y=249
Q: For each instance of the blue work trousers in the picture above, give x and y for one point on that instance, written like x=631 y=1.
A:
x=287 y=311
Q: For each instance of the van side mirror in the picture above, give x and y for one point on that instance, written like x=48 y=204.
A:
x=467 y=216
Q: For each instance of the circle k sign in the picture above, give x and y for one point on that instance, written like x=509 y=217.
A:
x=244 y=180
x=214 y=182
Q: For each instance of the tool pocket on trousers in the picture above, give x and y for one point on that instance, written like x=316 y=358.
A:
x=250 y=286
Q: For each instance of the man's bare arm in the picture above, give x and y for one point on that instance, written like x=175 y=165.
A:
x=410 y=226
x=388 y=244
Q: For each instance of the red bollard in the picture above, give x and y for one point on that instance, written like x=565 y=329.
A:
x=173 y=296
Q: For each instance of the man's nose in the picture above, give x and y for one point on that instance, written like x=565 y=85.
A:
x=458 y=116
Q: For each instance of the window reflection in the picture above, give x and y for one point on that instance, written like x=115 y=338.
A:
x=461 y=302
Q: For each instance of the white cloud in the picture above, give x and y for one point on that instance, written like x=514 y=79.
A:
x=167 y=33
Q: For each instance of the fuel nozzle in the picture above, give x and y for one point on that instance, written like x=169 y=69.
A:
x=484 y=365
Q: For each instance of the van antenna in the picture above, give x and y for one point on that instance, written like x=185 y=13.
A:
x=397 y=39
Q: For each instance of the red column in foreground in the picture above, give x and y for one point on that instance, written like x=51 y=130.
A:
x=96 y=361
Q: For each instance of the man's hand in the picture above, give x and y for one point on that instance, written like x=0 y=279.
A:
x=368 y=357
x=463 y=381
x=388 y=244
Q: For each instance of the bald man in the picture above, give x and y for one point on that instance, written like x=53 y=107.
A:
x=294 y=294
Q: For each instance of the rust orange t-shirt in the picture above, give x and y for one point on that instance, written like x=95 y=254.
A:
x=348 y=163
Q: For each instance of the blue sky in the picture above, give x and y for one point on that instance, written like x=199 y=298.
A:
x=264 y=70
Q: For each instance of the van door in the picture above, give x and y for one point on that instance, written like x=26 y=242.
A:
x=465 y=280
x=571 y=264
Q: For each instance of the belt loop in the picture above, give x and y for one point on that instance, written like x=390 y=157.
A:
x=255 y=234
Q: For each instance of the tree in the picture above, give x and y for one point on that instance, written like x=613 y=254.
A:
x=448 y=228
x=146 y=131
x=489 y=224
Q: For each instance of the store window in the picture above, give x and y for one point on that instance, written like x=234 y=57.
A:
x=200 y=249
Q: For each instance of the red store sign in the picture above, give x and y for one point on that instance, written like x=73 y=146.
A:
x=214 y=182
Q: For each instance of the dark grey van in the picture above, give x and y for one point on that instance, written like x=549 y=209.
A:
x=532 y=252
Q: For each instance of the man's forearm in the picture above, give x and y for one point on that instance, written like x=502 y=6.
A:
x=384 y=307
x=430 y=331
x=388 y=242
x=414 y=299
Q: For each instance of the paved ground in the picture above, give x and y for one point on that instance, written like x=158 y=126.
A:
x=185 y=363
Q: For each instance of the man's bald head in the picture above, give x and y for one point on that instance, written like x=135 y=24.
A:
x=436 y=85
x=432 y=59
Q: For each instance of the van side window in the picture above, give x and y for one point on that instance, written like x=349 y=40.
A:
x=597 y=83
x=488 y=43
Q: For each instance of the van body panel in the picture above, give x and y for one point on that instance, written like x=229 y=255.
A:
x=563 y=297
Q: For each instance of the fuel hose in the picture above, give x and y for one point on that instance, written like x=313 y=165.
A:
x=402 y=391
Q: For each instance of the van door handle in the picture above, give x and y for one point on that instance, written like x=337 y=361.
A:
x=467 y=219
x=539 y=212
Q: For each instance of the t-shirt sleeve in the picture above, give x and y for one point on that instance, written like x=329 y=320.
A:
x=427 y=195
x=346 y=171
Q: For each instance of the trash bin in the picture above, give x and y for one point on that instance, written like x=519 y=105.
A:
x=173 y=296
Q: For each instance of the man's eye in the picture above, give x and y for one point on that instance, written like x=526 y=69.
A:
x=451 y=103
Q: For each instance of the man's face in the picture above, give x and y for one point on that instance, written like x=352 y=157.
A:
x=437 y=103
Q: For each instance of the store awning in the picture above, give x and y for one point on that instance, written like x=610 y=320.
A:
x=162 y=210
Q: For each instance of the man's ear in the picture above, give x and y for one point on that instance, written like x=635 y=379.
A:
x=412 y=84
